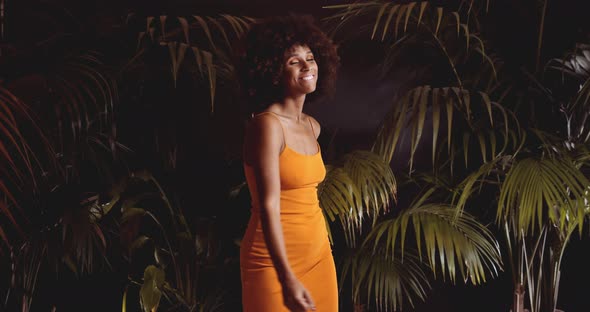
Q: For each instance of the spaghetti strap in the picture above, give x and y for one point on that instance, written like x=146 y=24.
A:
x=277 y=117
x=311 y=124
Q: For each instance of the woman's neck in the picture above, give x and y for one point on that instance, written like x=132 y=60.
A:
x=290 y=107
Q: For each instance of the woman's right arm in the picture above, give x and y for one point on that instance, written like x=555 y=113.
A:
x=264 y=142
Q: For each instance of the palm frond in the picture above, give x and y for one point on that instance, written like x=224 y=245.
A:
x=536 y=190
x=390 y=20
x=340 y=196
x=467 y=187
x=463 y=245
x=15 y=148
x=575 y=63
x=192 y=29
x=373 y=178
x=209 y=56
x=363 y=187
x=25 y=155
x=386 y=281
x=386 y=15
x=474 y=5
x=87 y=95
x=411 y=112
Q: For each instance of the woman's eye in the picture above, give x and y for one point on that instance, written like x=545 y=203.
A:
x=311 y=60
x=294 y=63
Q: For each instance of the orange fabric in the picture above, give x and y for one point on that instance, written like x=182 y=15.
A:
x=306 y=239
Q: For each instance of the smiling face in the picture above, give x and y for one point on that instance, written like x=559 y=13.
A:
x=300 y=71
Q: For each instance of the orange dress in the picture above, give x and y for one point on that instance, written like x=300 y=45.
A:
x=306 y=239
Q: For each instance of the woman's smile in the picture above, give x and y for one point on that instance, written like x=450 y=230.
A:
x=300 y=71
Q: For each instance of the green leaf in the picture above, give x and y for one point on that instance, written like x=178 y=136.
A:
x=458 y=20
x=235 y=24
x=388 y=136
x=221 y=30
x=482 y=145
x=67 y=259
x=488 y=103
x=137 y=244
x=532 y=188
x=422 y=8
x=439 y=13
x=422 y=108
x=400 y=13
x=435 y=120
x=177 y=51
x=386 y=281
x=339 y=196
x=373 y=178
x=418 y=118
x=151 y=289
x=208 y=57
x=379 y=15
x=184 y=24
x=3 y=235
x=467 y=36
x=449 y=110
x=453 y=240
x=466 y=187
x=132 y=213
x=205 y=27
x=410 y=6
x=388 y=21
x=466 y=136
x=198 y=59
x=124 y=301
x=4 y=207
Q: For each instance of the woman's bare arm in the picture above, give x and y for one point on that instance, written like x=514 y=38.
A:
x=264 y=143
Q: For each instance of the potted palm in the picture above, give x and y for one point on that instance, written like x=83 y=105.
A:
x=485 y=123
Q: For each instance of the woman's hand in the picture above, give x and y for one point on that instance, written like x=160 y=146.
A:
x=295 y=296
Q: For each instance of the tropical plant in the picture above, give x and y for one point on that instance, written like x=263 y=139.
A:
x=533 y=169
x=174 y=265
x=83 y=105
x=69 y=99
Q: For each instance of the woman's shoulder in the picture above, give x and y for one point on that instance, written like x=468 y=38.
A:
x=316 y=125
x=264 y=123
x=265 y=119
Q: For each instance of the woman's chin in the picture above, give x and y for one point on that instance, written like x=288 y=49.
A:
x=309 y=89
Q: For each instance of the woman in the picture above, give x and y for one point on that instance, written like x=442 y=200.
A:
x=286 y=257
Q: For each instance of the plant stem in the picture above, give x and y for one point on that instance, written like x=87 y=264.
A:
x=178 y=279
x=541 y=30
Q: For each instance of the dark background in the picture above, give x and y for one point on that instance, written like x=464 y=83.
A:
x=354 y=113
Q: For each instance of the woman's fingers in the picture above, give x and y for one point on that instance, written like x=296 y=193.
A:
x=303 y=303
x=310 y=304
x=298 y=305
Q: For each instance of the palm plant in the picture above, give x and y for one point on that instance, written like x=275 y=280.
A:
x=174 y=266
x=89 y=114
x=532 y=170
x=63 y=122
x=455 y=243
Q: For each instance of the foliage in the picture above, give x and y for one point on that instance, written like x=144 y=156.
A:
x=81 y=127
x=531 y=168
x=104 y=131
